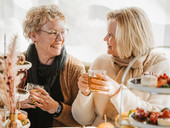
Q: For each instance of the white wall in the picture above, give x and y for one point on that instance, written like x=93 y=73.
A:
x=167 y=25
x=86 y=20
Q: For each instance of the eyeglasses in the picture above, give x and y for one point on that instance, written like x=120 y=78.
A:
x=55 y=34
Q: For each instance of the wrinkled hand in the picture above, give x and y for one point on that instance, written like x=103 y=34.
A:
x=25 y=104
x=83 y=84
x=107 y=85
x=44 y=100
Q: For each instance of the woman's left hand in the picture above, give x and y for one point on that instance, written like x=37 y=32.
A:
x=44 y=100
x=105 y=84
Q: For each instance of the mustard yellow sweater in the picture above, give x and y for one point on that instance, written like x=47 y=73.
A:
x=69 y=87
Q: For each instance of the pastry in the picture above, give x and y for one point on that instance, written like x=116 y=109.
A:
x=149 y=80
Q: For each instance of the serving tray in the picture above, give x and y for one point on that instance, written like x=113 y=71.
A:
x=135 y=83
x=142 y=125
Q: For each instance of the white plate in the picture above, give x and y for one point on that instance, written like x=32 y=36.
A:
x=27 y=65
x=138 y=86
x=4 y=112
x=142 y=125
x=20 y=96
x=27 y=125
x=24 y=66
x=24 y=95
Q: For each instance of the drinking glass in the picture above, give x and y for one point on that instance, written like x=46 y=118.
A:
x=31 y=86
x=92 y=75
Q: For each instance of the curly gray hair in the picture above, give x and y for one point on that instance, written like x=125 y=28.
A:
x=36 y=17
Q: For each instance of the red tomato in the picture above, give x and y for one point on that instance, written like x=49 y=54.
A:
x=166 y=114
x=153 y=117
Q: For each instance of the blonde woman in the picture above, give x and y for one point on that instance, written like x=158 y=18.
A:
x=129 y=34
x=52 y=68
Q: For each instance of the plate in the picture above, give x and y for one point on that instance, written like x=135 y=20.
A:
x=142 y=125
x=27 y=125
x=27 y=65
x=4 y=112
x=124 y=120
x=24 y=66
x=135 y=84
x=23 y=94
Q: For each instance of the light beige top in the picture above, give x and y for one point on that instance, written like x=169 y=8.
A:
x=90 y=109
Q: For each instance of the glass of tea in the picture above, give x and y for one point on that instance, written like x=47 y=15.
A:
x=92 y=75
x=31 y=86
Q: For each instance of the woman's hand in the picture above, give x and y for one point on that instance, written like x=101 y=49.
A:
x=26 y=104
x=44 y=100
x=83 y=84
x=107 y=85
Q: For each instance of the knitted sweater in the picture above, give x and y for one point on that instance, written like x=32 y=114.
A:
x=69 y=87
x=89 y=110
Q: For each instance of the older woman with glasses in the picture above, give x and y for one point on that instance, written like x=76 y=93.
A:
x=52 y=68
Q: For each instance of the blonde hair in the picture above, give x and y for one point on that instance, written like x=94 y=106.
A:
x=36 y=17
x=133 y=31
